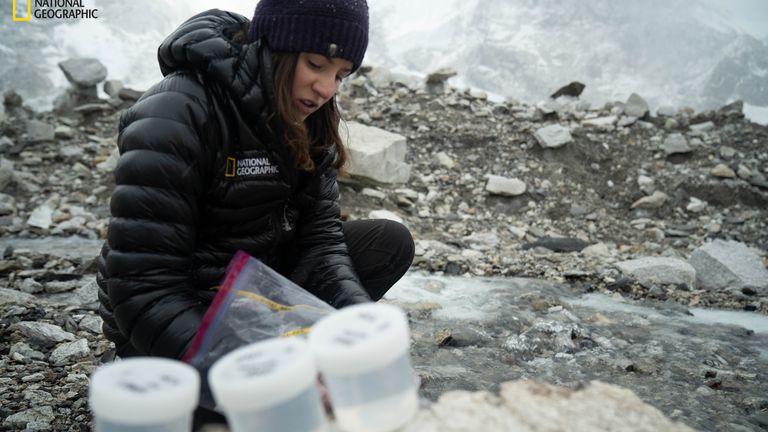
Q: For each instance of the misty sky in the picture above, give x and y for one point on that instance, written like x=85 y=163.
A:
x=752 y=14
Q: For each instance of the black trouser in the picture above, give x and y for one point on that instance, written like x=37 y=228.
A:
x=381 y=252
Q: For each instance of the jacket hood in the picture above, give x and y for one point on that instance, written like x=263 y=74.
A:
x=204 y=44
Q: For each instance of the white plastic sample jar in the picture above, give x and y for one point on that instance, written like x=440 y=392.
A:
x=269 y=386
x=363 y=354
x=144 y=394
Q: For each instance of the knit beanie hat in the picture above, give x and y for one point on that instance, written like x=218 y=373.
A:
x=333 y=28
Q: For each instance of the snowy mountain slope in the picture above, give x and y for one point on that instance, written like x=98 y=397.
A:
x=672 y=52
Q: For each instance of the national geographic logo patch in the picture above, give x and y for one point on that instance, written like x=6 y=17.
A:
x=251 y=165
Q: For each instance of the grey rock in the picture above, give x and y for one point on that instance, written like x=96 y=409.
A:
x=729 y=265
x=85 y=296
x=559 y=244
x=64 y=132
x=129 y=94
x=601 y=122
x=5 y=143
x=56 y=287
x=440 y=76
x=7 y=175
x=83 y=72
x=43 y=334
x=733 y=108
x=758 y=180
x=91 y=108
x=20 y=349
x=553 y=136
x=12 y=99
x=38 y=426
x=498 y=185
x=38 y=131
x=727 y=152
x=482 y=241
x=37 y=397
x=573 y=89
x=33 y=378
x=636 y=106
x=9 y=296
x=702 y=127
x=31 y=286
x=666 y=111
x=71 y=151
x=113 y=87
x=70 y=352
x=649 y=271
x=92 y=323
x=626 y=121
x=7 y=204
x=43 y=414
x=676 y=143
x=442 y=159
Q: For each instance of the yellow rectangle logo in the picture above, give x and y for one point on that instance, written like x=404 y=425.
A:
x=29 y=11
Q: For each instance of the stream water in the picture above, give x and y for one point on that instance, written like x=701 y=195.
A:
x=704 y=367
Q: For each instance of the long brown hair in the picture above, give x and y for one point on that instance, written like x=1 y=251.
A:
x=311 y=137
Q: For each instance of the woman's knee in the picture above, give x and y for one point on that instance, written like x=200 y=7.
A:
x=401 y=241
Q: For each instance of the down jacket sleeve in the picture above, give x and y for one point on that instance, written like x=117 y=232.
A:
x=325 y=268
x=159 y=181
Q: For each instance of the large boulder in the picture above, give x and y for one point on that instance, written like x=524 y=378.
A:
x=83 y=72
x=651 y=271
x=376 y=154
x=528 y=406
x=636 y=106
x=729 y=265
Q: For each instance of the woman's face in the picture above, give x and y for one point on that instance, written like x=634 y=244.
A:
x=316 y=80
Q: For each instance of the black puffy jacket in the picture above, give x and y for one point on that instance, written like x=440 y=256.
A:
x=200 y=176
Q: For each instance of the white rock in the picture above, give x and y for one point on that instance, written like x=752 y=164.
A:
x=41 y=217
x=384 y=214
x=596 y=250
x=530 y=406
x=376 y=154
x=505 y=186
x=654 y=201
x=444 y=160
x=373 y=193
x=696 y=205
x=553 y=136
x=601 y=122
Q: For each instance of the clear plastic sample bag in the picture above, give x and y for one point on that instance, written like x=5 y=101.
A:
x=254 y=303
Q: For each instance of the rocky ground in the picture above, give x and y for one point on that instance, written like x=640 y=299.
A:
x=588 y=206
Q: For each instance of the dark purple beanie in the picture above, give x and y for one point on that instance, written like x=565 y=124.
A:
x=334 y=28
